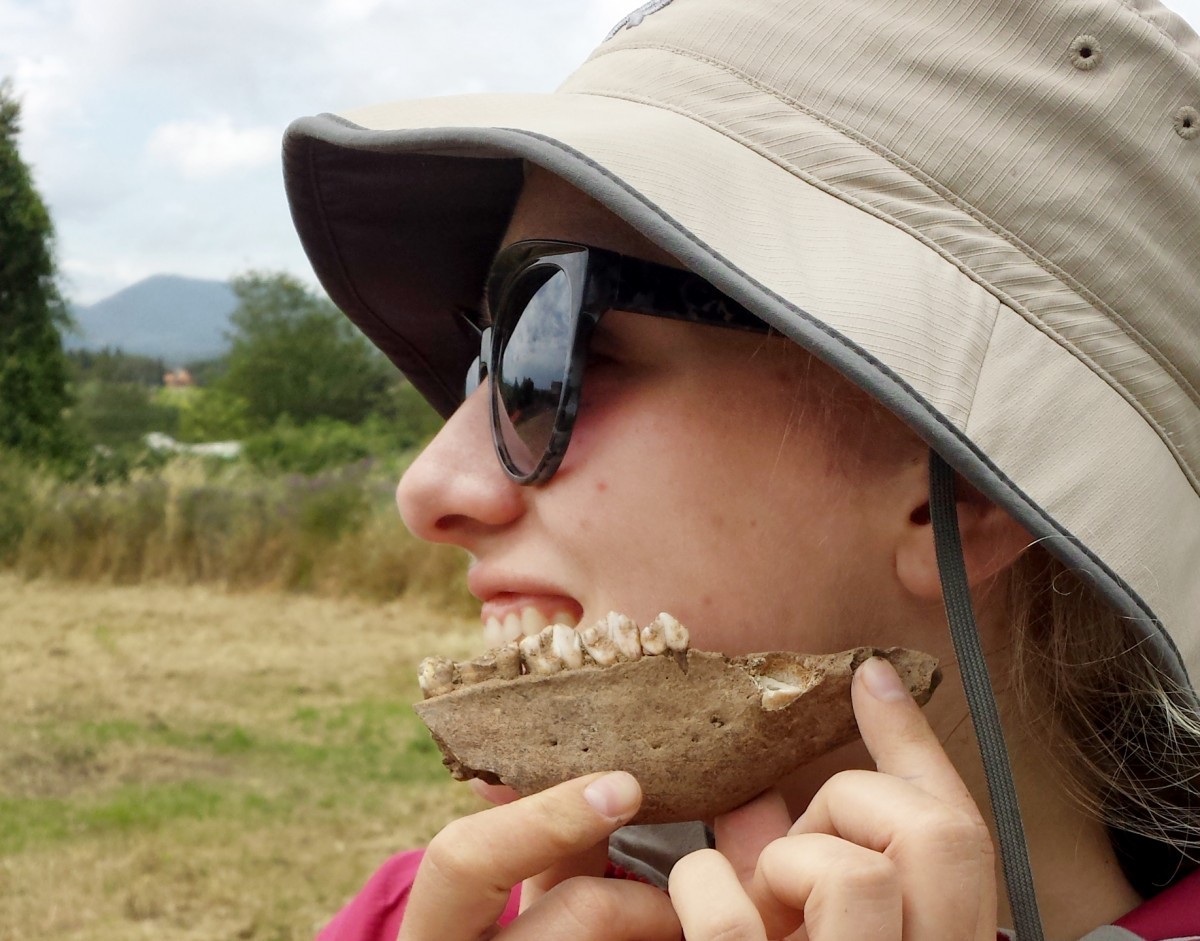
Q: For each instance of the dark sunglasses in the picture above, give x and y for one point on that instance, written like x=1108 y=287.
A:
x=545 y=299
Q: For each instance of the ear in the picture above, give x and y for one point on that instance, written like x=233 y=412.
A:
x=991 y=541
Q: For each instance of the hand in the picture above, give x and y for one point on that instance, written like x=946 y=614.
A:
x=897 y=854
x=557 y=841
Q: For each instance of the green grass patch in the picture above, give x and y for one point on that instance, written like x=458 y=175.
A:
x=34 y=821
x=324 y=759
x=370 y=740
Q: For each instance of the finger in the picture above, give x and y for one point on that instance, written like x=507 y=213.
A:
x=470 y=867
x=903 y=745
x=710 y=901
x=943 y=854
x=591 y=862
x=837 y=889
x=741 y=834
x=589 y=909
x=899 y=738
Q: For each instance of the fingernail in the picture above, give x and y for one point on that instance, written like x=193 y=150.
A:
x=614 y=796
x=882 y=681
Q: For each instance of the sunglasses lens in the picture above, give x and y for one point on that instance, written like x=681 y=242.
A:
x=533 y=364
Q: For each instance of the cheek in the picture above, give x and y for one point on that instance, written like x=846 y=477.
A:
x=729 y=521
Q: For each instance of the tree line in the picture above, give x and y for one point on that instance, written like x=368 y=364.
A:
x=299 y=384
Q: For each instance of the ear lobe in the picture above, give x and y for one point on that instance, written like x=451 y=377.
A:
x=991 y=541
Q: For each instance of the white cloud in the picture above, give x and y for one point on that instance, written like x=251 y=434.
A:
x=153 y=126
x=200 y=150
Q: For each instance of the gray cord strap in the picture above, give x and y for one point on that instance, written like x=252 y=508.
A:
x=978 y=685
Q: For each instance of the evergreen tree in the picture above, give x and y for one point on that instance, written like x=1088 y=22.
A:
x=33 y=368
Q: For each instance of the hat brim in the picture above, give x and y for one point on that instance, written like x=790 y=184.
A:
x=401 y=206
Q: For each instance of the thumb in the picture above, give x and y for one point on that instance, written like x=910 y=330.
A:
x=616 y=796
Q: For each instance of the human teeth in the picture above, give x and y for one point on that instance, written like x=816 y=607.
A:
x=493 y=633
x=597 y=641
x=563 y=617
x=512 y=626
x=437 y=675
x=533 y=622
x=567 y=647
x=625 y=636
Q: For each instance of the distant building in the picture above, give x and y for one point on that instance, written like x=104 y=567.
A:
x=179 y=379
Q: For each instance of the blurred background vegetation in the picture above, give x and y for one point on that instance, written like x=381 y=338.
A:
x=271 y=465
x=210 y=614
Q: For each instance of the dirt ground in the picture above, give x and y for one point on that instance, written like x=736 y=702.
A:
x=182 y=763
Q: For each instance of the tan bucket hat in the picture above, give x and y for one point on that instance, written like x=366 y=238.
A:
x=986 y=213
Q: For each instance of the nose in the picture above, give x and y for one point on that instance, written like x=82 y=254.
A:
x=456 y=491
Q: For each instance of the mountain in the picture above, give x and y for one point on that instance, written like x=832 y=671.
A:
x=168 y=317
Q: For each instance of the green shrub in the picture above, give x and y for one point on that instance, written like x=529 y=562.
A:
x=212 y=415
x=120 y=414
x=309 y=449
x=406 y=419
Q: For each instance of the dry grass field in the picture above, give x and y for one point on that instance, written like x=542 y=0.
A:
x=184 y=763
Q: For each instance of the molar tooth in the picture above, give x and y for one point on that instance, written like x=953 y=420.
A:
x=528 y=647
x=502 y=663
x=776 y=693
x=437 y=675
x=547 y=660
x=625 y=636
x=567 y=647
x=538 y=654
x=508 y=661
x=654 y=640
x=675 y=633
x=597 y=641
x=512 y=626
x=477 y=670
x=773 y=699
x=676 y=637
x=532 y=621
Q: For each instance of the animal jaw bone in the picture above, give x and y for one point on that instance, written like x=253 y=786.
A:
x=613 y=639
x=702 y=732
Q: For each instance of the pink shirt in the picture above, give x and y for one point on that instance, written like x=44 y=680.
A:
x=376 y=912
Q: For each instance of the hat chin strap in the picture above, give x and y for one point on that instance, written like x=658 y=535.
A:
x=985 y=717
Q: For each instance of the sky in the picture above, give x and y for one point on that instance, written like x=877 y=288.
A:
x=153 y=126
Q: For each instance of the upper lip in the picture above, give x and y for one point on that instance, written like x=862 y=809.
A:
x=487 y=584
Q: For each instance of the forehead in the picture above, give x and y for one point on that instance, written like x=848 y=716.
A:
x=551 y=208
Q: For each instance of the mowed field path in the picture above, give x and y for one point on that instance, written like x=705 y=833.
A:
x=185 y=763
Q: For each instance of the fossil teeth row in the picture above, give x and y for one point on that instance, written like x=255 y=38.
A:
x=613 y=639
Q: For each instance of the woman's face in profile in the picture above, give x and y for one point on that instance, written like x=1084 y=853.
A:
x=701 y=479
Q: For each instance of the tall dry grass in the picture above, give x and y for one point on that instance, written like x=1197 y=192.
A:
x=335 y=533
